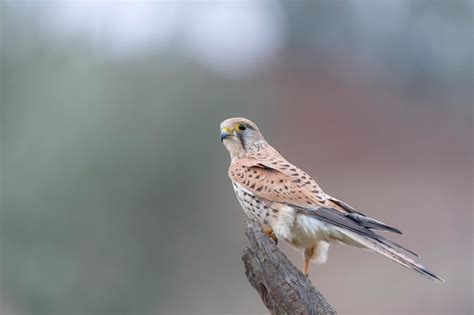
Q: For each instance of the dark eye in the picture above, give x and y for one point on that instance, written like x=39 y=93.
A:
x=242 y=127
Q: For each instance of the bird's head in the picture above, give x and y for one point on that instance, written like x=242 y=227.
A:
x=240 y=135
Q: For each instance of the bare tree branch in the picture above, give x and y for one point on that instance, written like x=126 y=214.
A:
x=283 y=288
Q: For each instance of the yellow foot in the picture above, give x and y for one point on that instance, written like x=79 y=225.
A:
x=269 y=232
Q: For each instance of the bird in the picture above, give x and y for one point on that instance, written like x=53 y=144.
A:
x=290 y=205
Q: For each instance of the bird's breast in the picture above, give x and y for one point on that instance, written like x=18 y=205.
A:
x=253 y=206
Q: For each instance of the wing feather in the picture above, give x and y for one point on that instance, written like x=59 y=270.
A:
x=277 y=181
x=361 y=218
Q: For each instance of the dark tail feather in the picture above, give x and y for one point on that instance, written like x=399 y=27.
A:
x=391 y=253
x=392 y=243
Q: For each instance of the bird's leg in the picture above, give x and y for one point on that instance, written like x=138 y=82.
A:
x=269 y=232
x=308 y=254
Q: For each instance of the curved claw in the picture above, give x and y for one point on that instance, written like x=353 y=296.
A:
x=269 y=232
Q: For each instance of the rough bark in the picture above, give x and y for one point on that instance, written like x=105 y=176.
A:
x=283 y=288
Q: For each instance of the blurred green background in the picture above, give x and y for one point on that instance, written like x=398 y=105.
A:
x=114 y=190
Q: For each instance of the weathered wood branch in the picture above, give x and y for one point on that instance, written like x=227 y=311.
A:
x=283 y=288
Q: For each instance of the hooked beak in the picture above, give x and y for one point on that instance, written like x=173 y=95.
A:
x=226 y=133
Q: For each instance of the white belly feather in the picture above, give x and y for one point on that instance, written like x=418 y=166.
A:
x=300 y=230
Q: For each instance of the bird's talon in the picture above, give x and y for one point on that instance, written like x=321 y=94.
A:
x=274 y=238
x=269 y=232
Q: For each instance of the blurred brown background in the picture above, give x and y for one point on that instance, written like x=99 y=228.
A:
x=114 y=193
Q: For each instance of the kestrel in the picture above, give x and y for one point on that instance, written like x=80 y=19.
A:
x=290 y=205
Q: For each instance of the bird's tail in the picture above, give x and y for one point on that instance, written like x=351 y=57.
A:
x=391 y=253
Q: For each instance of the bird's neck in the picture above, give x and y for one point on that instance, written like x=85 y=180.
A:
x=249 y=150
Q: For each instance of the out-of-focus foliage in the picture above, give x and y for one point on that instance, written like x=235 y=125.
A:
x=114 y=196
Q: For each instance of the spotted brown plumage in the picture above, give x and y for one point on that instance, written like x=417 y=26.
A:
x=292 y=206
